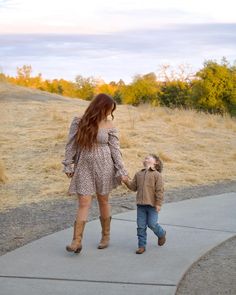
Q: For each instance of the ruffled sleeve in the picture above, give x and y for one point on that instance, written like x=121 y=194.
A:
x=114 y=144
x=71 y=148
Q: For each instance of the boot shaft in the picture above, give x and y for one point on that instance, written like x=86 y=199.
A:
x=105 y=223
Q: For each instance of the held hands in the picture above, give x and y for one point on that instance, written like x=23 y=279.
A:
x=124 y=178
x=158 y=208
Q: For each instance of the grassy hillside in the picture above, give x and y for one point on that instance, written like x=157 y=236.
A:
x=196 y=148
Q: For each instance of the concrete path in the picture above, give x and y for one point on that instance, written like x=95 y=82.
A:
x=193 y=227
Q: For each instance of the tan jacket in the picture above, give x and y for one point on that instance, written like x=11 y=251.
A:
x=149 y=187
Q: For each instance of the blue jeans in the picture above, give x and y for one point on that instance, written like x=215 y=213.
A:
x=147 y=216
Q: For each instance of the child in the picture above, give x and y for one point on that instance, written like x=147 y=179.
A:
x=149 y=186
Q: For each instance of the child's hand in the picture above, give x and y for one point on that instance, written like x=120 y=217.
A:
x=158 y=208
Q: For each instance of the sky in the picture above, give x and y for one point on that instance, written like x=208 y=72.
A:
x=115 y=39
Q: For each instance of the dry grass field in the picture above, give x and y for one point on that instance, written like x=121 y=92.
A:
x=196 y=148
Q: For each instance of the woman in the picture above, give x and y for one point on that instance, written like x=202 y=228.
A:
x=93 y=162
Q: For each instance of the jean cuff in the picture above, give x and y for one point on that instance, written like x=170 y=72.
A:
x=142 y=246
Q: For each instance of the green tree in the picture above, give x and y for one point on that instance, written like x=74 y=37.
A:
x=85 y=87
x=175 y=93
x=143 y=89
x=118 y=90
x=214 y=89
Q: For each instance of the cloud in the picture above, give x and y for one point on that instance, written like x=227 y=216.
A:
x=160 y=15
x=116 y=55
x=165 y=40
x=91 y=16
x=8 y=4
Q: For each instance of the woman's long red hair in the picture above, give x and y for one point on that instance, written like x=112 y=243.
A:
x=94 y=114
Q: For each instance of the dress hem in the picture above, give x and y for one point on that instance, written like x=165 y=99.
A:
x=90 y=193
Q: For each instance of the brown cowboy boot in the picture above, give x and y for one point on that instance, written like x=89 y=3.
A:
x=105 y=223
x=162 y=240
x=76 y=245
x=140 y=250
x=68 y=248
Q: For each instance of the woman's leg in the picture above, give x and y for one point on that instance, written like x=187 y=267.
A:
x=104 y=206
x=84 y=204
x=105 y=219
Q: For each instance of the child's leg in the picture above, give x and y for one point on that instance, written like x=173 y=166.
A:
x=153 y=222
x=141 y=225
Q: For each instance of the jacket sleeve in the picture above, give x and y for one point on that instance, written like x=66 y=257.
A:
x=114 y=145
x=159 y=190
x=71 y=148
x=132 y=184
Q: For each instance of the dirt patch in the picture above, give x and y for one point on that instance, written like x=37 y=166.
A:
x=213 y=274
x=196 y=148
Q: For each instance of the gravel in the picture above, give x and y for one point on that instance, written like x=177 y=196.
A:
x=214 y=273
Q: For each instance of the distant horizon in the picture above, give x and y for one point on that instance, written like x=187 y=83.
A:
x=189 y=71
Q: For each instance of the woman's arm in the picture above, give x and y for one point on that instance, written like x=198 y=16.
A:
x=114 y=144
x=71 y=147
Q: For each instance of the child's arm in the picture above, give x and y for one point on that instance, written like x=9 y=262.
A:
x=159 y=191
x=131 y=184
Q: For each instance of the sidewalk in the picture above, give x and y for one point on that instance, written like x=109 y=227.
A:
x=193 y=227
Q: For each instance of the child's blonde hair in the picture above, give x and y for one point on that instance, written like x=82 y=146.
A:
x=159 y=163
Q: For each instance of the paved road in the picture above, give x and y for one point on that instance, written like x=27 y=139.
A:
x=193 y=227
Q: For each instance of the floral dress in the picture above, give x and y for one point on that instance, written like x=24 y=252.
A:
x=95 y=171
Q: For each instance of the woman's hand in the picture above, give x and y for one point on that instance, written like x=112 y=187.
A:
x=69 y=175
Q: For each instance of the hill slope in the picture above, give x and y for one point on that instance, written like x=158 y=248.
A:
x=196 y=148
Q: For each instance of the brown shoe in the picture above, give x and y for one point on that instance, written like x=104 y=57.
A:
x=140 y=250
x=162 y=240
x=76 y=245
x=69 y=248
x=105 y=223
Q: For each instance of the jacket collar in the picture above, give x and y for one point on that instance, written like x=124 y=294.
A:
x=150 y=168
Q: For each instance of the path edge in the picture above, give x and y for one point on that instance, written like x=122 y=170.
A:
x=196 y=261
